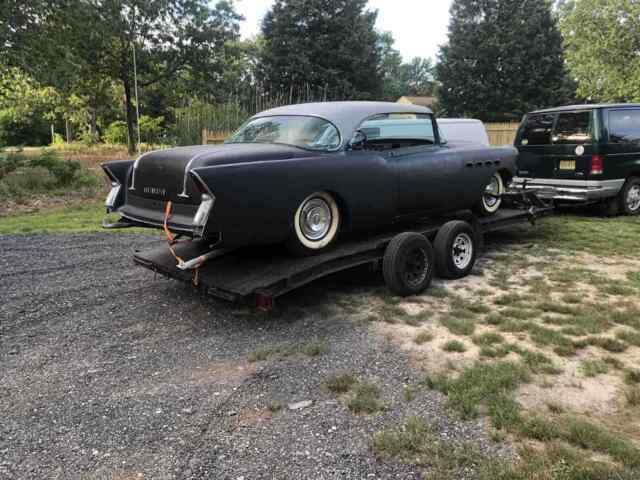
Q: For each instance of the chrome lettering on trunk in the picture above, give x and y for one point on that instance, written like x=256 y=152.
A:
x=155 y=191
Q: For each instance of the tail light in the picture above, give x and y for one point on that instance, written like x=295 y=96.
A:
x=597 y=164
x=110 y=201
x=207 y=199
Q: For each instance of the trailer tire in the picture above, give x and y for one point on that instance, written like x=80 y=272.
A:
x=408 y=264
x=456 y=247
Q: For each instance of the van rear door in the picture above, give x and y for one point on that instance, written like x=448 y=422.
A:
x=556 y=145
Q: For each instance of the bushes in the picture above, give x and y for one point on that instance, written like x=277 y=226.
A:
x=21 y=174
x=116 y=133
x=151 y=131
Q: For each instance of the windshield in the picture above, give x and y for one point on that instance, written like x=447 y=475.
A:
x=311 y=133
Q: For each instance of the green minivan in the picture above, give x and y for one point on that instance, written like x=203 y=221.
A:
x=582 y=153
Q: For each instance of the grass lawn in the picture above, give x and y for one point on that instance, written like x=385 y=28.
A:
x=76 y=219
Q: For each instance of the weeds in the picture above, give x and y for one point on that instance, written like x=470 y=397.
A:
x=366 y=399
x=454 y=346
x=340 y=383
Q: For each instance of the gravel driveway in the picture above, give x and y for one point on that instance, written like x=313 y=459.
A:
x=108 y=373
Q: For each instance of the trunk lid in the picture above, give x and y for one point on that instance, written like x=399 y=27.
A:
x=163 y=175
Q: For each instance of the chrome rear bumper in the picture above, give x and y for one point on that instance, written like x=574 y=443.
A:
x=570 y=190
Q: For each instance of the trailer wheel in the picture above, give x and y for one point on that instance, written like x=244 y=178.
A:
x=456 y=247
x=408 y=264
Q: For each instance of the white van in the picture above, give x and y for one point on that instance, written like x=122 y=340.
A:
x=463 y=130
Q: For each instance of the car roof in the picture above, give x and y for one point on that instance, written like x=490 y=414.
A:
x=346 y=116
x=586 y=106
x=458 y=120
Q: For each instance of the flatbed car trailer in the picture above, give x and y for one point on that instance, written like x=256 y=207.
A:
x=259 y=275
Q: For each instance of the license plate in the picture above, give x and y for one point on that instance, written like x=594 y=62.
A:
x=567 y=164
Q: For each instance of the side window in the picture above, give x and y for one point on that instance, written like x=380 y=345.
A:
x=398 y=130
x=537 y=129
x=624 y=126
x=572 y=128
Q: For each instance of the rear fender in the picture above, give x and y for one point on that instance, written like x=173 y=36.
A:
x=260 y=198
x=118 y=172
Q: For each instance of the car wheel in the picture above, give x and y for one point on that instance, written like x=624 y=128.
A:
x=491 y=197
x=407 y=265
x=315 y=224
x=456 y=247
x=630 y=196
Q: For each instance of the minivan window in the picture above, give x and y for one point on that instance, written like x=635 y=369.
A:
x=572 y=128
x=537 y=129
x=624 y=126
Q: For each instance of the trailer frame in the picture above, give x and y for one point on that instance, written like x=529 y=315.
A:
x=260 y=275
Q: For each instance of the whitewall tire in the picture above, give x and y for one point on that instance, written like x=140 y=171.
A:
x=491 y=197
x=315 y=224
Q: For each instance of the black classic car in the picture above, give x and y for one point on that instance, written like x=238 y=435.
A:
x=301 y=174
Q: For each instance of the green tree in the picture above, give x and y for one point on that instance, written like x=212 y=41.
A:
x=94 y=41
x=602 y=41
x=503 y=58
x=419 y=77
x=328 y=44
x=27 y=109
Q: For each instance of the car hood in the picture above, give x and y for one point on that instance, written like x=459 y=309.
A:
x=163 y=174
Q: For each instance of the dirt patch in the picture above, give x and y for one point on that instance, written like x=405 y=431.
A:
x=223 y=373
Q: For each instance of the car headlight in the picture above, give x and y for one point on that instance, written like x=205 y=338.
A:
x=113 y=195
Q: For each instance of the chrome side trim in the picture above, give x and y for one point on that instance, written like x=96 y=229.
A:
x=135 y=167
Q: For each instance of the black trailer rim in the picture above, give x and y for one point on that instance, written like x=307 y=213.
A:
x=416 y=267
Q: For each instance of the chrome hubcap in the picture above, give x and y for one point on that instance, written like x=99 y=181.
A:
x=416 y=267
x=315 y=219
x=462 y=251
x=633 y=198
x=491 y=192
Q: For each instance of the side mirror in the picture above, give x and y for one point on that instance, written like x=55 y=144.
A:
x=358 y=141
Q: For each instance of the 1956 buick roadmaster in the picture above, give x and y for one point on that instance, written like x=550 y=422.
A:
x=301 y=174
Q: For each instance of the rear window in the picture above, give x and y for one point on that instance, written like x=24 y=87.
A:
x=399 y=126
x=624 y=126
x=557 y=128
x=572 y=128
x=537 y=129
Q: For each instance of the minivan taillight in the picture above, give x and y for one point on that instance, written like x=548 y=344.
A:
x=597 y=164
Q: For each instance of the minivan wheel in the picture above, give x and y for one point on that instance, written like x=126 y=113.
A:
x=630 y=196
x=492 y=196
x=315 y=225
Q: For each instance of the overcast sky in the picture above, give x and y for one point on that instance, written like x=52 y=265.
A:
x=418 y=26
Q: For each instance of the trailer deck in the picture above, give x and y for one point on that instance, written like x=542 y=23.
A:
x=260 y=275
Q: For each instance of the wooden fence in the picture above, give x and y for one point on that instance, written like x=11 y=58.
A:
x=210 y=137
x=499 y=134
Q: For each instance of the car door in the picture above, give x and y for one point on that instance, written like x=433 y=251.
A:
x=622 y=148
x=557 y=145
x=427 y=179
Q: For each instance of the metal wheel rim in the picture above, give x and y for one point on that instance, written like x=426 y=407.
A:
x=315 y=219
x=462 y=251
x=416 y=267
x=633 y=198
x=491 y=192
